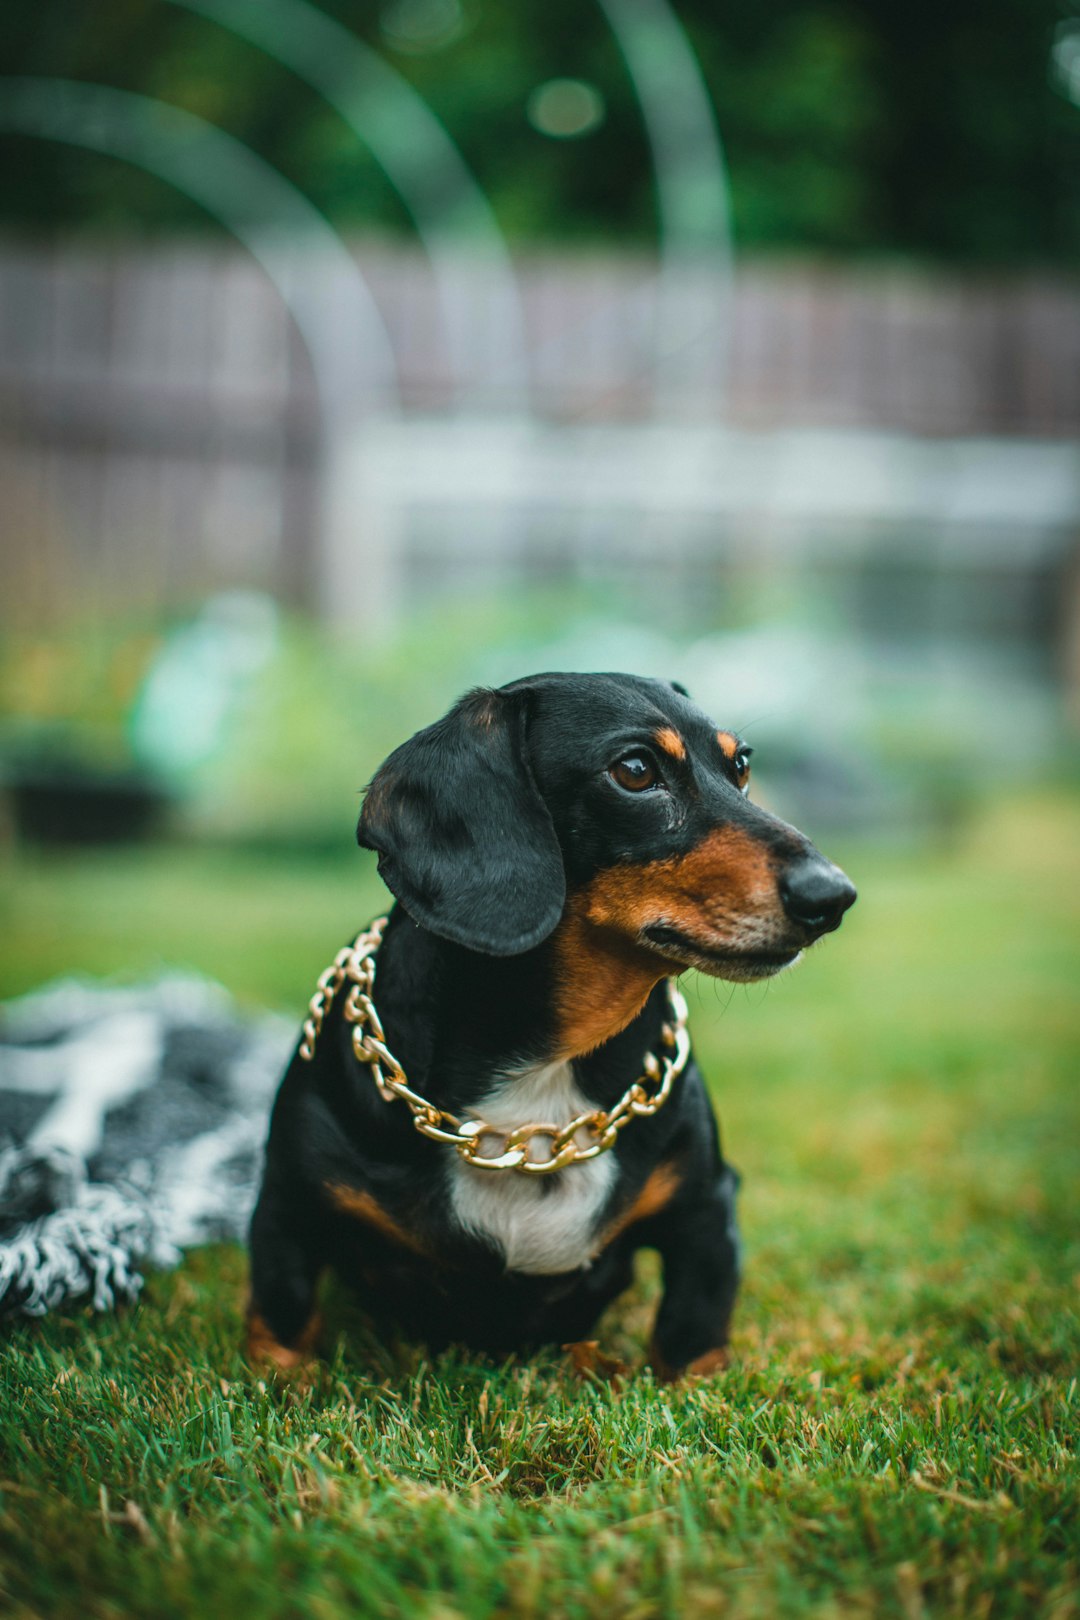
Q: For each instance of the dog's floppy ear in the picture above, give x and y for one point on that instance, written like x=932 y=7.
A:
x=463 y=837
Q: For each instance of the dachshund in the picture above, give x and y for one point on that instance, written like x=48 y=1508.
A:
x=494 y=1103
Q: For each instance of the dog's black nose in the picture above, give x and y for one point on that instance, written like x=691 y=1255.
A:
x=816 y=894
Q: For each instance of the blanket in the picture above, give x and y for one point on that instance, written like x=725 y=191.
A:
x=132 y=1124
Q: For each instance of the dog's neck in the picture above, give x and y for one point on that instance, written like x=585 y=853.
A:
x=579 y=997
x=601 y=982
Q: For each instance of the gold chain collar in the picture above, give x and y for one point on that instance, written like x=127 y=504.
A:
x=537 y=1150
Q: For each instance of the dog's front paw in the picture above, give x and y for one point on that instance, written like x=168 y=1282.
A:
x=706 y=1365
x=713 y=1361
x=265 y=1349
x=589 y=1361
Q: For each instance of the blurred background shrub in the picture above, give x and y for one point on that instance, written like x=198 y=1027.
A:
x=850 y=125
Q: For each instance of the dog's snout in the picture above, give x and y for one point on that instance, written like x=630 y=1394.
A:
x=815 y=894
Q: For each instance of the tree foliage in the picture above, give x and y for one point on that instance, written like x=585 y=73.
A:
x=849 y=126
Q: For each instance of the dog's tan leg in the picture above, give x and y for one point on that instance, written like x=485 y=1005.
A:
x=265 y=1349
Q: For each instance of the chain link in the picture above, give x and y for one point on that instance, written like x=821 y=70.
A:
x=536 y=1150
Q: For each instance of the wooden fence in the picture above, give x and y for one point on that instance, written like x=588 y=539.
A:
x=164 y=431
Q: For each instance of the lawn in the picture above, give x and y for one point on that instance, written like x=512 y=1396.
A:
x=896 y=1436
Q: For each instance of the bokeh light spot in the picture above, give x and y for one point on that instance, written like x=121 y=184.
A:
x=1065 y=58
x=565 y=108
x=422 y=25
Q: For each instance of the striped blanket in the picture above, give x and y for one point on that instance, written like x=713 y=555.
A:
x=132 y=1123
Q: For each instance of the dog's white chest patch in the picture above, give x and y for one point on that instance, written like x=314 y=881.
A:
x=543 y=1224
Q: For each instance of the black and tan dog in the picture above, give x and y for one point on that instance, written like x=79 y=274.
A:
x=481 y=1141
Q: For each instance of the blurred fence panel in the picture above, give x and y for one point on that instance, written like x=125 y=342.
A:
x=162 y=433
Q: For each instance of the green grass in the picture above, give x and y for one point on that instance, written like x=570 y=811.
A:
x=896 y=1435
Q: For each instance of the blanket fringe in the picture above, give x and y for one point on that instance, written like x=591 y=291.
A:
x=94 y=1246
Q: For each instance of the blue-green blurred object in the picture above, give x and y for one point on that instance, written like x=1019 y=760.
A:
x=196 y=689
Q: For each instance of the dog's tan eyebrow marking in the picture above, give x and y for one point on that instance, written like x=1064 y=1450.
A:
x=669 y=740
x=729 y=743
x=363 y=1207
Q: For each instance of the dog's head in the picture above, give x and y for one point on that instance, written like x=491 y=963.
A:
x=608 y=801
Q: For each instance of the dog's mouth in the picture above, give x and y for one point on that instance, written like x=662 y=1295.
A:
x=740 y=966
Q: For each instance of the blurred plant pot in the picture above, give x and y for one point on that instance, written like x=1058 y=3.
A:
x=68 y=802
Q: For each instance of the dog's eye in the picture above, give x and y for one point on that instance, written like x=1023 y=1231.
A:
x=635 y=774
x=741 y=762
